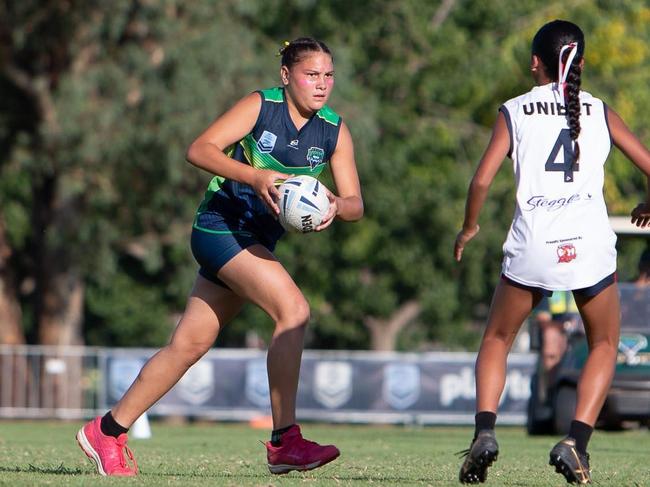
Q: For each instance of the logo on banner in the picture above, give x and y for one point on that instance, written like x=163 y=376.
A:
x=457 y=386
x=401 y=385
x=462 y=387
x=333 y=383
x=197 y=385
x=630 y=346
x=122 y=373
x=257 y=383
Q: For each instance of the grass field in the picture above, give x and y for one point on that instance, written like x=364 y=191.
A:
x=46 y=453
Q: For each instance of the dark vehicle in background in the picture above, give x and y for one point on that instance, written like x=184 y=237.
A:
x=553 y=392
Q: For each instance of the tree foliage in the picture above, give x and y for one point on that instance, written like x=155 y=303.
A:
x=100 y=101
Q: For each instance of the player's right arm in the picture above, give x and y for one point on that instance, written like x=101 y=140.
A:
x=207 y=150
x=348 y=205
x=490 y=163
x=635 y=151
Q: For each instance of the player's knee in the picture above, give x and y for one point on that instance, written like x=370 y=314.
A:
x=188 y=352
x=606 y=349
x=499 y=335
x=294 y=316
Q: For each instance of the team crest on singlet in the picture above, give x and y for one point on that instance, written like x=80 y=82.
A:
x=315 y=156
x=267 y=142
x=566 y=253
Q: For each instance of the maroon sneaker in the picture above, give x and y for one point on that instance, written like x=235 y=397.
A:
x=106 y=452
x=296 y=453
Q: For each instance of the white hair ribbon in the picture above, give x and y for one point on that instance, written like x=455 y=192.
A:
x=563 y=69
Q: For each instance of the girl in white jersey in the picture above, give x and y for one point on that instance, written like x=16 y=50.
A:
x=558 y=138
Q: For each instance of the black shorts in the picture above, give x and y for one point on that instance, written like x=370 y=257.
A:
x=585 y=292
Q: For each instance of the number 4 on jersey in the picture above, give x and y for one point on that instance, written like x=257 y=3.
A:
x=567 y=166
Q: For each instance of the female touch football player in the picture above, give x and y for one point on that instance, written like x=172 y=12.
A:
x=259 y=141
x=560 y=239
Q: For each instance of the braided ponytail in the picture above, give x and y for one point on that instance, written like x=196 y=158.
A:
x=560 y=45
x=573 y=107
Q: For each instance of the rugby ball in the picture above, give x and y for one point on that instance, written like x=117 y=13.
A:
x=303 y=204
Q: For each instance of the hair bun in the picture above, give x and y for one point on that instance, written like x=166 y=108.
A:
x=283 y=48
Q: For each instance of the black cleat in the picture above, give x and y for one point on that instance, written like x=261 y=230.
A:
x=570 y=462
x=483 y=451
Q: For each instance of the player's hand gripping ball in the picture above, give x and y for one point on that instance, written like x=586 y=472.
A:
x=303 y=204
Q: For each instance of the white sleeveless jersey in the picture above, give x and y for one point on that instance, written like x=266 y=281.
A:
x=560 y=237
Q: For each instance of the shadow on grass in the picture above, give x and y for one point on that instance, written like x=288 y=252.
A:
x=60 y=470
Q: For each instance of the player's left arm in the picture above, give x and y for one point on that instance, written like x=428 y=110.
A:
x=348 y=204
x=490 y=163
x=636 y=152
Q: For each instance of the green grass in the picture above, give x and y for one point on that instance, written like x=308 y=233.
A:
x=46 y=453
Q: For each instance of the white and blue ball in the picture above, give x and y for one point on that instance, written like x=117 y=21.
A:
x=303 y=204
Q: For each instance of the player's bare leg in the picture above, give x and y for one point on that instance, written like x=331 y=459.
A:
x=510 y=307
x=209 y=307
x=601 y=317
x=256 y=275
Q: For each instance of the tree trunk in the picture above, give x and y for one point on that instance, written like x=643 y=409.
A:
x=384 y=332
x=60 y=287
x=12 y=366
x=59 y=297
x=61 y=308
x=11 y=331
x=59 y=292
x=59 y=323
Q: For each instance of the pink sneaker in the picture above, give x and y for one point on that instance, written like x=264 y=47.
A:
x=105 y=451
x=296 y=453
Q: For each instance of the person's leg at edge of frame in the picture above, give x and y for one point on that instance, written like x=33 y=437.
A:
x=256 y=275
x=601 y=317
x=104 y=439
x=510 y=307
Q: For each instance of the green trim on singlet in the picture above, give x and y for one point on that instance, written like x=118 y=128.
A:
x=215 y=184
x=260 y=160
x=329 y=115
x=213 y=187
x=222 y=232
x=276 y=95
x=247 y=151
x=273 y=94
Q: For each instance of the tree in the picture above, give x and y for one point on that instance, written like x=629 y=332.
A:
x=96 y=202
x=433 y=76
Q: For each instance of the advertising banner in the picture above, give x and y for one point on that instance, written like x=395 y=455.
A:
x=431 y=388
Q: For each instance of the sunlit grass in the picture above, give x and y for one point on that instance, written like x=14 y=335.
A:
x=215 y=454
